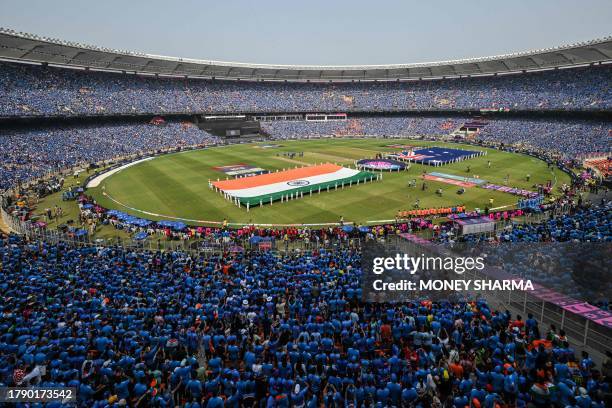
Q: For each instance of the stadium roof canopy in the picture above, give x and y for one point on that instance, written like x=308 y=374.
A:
x=33 y=48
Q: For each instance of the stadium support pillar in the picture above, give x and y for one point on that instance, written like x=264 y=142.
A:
x=350 y=183
x=247 y=206
x=311 y=192
x=301 y=194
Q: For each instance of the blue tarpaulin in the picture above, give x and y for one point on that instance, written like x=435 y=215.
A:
x=140 y=236
x=80 y=233
x=138 y=222
x=257 y=239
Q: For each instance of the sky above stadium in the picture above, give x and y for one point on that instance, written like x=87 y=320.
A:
x=332 y=32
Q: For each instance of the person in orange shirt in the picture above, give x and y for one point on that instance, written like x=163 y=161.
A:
x=456 y=369
x=518 y=323
x=385 y=333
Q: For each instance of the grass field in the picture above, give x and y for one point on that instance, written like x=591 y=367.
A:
x=176 y=185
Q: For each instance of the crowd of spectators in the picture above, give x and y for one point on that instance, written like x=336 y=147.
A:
x=568 y=138
x=28 y=154
x=578 y=222
x=251 y=235
x=382 y=126
x=553 y=252
x=255 y=329
x=36 y=90
x=585 y=225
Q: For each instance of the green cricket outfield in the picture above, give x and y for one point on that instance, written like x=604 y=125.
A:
x=176 y=186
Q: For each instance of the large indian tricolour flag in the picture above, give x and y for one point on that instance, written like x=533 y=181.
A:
x=289 y=184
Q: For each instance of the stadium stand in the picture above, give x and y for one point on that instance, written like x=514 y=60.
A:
x=127 y=328
x=569 y=138
x=390 y=126
x=33 y=153
x=136 y=327
x=566 y=137
x=34 y=90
